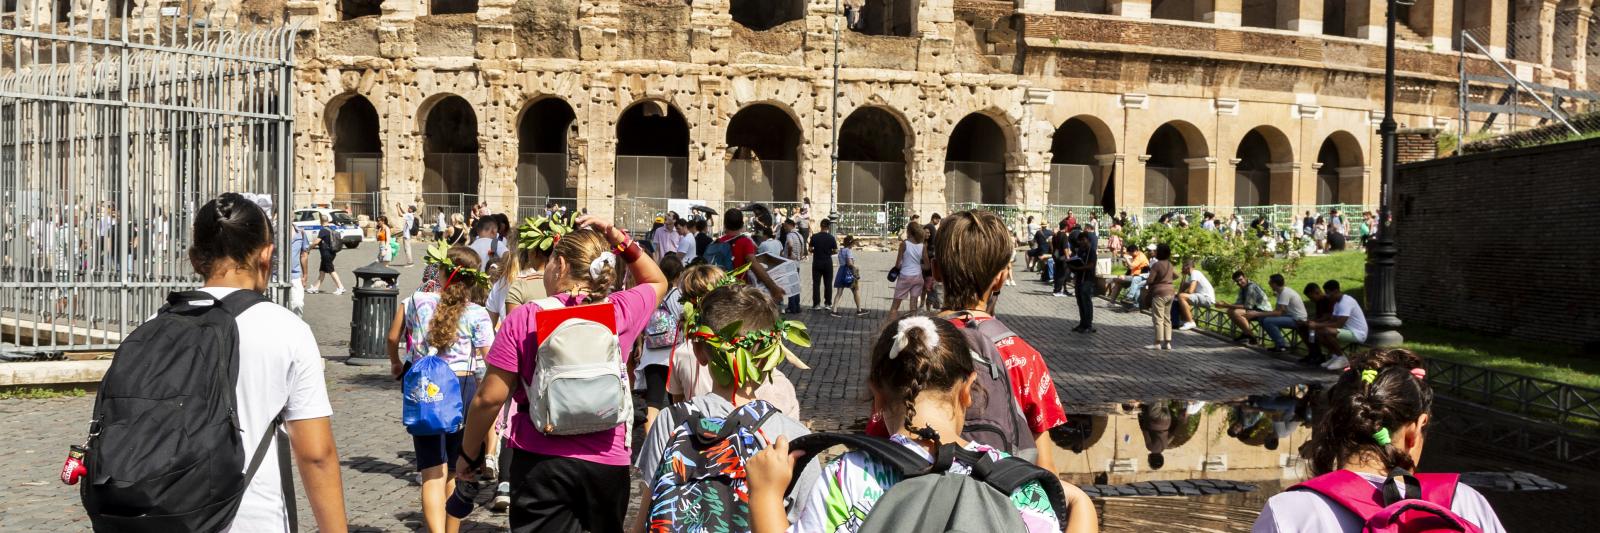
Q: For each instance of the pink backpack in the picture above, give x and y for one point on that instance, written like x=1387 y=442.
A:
x=1385 y=511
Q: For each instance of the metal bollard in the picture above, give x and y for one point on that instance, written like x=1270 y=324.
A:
x=371 y=314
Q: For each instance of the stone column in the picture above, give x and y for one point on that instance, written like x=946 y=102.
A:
x=1533 y=32
x=1220 y=12
x=1367 y=17
x=497 y=144
x=1490 y=25
x=1304 y=16
x=1572 y=40
x=1139 y=9
x=1112 y=168
x=1130 y=185
x=708 y=147
x=1226 y=195
x=1432 y=20
x=596 y=187
x=1202 y=172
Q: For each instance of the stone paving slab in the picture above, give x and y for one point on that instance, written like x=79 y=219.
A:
x=1092 y=371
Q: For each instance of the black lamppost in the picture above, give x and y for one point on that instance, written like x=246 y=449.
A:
x=1383 y=323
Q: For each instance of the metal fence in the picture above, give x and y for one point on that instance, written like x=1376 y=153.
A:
x=1074 y=185
x=113 y=133
x=542 y=175
x=1565 y=404
x=974 y=183
x=871 y=182
x=761 y=181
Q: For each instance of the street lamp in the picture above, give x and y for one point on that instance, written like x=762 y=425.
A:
x=1382 y=321
x=833 y=109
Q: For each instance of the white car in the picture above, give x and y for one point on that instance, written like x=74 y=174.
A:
x=339 y=221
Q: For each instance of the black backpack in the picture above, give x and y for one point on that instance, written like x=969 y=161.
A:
x=994 y=418
x=931 y=499
x=165 y=446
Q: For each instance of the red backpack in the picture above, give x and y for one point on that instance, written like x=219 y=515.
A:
x=1384 y=510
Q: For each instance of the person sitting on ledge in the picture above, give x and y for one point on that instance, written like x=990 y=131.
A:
x=1348 y=325
x=1290 y=313
x=1251 y=305
x=1137 y=264
x=1196 y=292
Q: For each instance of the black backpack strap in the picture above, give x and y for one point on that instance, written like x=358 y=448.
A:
x=285 y=471
x=239 y=301
x=902 y=460
x=1011 y=473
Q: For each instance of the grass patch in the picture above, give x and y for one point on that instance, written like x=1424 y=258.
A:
x=1347 y=267
x=1542 y=360
x=39 y=393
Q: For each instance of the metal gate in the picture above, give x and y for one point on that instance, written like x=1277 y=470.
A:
x=113 y=132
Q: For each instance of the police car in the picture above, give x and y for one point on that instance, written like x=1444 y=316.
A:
x=339 y=222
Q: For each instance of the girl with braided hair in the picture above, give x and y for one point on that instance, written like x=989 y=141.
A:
x=1370 y=436
x=921 y=376
x=453 y=324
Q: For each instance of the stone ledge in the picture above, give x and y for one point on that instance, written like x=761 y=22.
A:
x=53 y=372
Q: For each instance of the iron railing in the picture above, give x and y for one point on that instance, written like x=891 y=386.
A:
x=1565 y=404
x=114 y=132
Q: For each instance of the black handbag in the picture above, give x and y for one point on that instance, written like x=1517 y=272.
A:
x=894 y=273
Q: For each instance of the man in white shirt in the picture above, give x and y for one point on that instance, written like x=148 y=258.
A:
x=686 y=244
x=1347 y=326
x=1196 y=292
x=1290 y=313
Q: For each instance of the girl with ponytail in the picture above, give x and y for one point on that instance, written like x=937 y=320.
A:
x=1370 y=435
x=453 y=324
x=921 y=375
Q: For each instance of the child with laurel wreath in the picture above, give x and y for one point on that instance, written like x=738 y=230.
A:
x=689 y=377
x=565 y=482
x=738 y=335
x=452 y=323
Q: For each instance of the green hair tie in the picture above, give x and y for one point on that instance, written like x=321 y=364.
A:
x=1382 y=435
x=1368 y=376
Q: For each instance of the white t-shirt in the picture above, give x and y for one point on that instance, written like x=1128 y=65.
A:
x=772 y=247
x=280 y=372
x=483 y=244
x=686 y=246
x=1292 y=305
x=1203 y=285
x=1357 y=324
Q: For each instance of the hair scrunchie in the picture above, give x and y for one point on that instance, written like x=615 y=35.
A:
x=599 y=264
x=930 y=335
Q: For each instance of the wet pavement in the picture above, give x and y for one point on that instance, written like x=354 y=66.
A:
x=1238 y=421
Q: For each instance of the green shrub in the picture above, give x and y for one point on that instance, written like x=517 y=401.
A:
x=1216 y=253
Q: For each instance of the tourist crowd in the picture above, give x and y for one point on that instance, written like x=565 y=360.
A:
x=520 y=356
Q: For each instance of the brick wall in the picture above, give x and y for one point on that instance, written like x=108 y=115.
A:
x=1416 y=144
x=1505 y=243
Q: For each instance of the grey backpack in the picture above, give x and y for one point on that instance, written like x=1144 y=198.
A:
x=931 y=499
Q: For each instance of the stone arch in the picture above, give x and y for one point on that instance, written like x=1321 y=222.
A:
x=761 y=15
x=975 y=161
x=544 y=165
x=452 y=7
x=874 y=142
x=353 y=9
x=1341 y=170
x=652 y=151
x=1170 y=158
x=1078 y=148
x=353 y=125
x=450 y=150
x=763 y=142
x=1263 y=167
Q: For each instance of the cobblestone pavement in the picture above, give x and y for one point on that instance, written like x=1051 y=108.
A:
x=1092 y=371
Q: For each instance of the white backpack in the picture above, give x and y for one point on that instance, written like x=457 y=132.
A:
x=579 y=384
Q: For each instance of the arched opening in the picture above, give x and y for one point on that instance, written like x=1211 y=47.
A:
x=357 y=149
x=1076 y=176
x=452 y=7
x=883 y=17
x=1252 y=175
x=652 y=152
x=1173 y=10
x=974 y=162
x=762 y=15
x=872 y=158
x=1259 y=14
x=353 y=9
x=1336 y=18
x=1340 y=170
x=450 y=154
x=763 y=154
x=543 y=166
x=1167 y=170
x=1097 y=7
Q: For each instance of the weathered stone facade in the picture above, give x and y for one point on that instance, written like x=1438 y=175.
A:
x=1211 y=101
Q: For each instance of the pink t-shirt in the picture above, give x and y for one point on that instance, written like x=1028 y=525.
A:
x=514 y=349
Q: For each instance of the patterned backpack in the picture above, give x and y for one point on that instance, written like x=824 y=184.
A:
x=663 y=330
x=700 y=485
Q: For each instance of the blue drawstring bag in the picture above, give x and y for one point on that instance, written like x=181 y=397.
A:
x=432 y=398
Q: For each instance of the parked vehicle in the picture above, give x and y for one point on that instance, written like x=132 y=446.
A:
x=339 y=221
